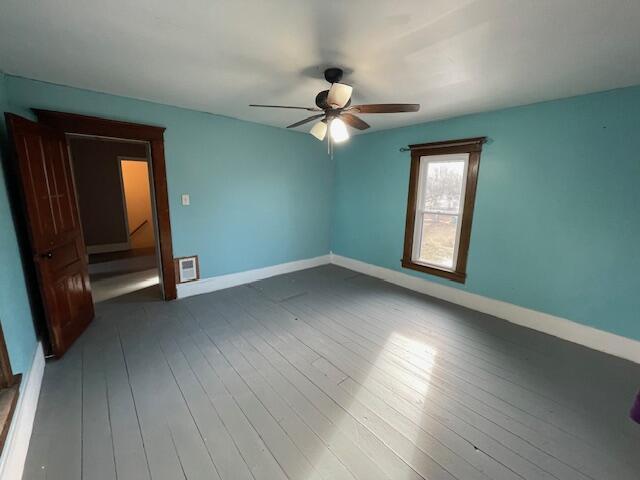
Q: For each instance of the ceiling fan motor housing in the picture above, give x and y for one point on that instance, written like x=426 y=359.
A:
x=333 y=75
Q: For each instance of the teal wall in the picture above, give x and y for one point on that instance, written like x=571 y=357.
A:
x=557 y=218
x=260 y=195
x=15 y=311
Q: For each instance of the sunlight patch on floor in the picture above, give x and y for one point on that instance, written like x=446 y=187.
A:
x=423 y=357
x=368 y=391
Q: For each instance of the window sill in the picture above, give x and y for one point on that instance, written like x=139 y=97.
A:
x=8 y=401
x=454 y=276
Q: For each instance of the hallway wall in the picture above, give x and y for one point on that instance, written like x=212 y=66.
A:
x=137 y=195
x=99 y=187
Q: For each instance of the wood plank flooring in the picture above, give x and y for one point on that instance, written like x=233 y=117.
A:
x=328 y=374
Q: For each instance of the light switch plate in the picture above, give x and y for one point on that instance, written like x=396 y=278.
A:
x=185 y=199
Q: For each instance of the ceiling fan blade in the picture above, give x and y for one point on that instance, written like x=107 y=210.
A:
x=309 y=109
x=306 y=120
x=354 y=121
x=385 y=108
x=339 y=95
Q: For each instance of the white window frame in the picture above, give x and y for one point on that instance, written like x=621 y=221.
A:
x=421 y=211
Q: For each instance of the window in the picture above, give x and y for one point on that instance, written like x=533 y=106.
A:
x=442 y=189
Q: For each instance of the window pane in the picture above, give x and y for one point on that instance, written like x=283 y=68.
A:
x=438 y=239
x=444 y=186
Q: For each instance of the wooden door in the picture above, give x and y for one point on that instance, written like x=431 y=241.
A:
x=55 y=233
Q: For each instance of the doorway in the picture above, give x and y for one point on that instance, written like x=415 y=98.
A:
x=153 y=137
x=115 y=199
x=48 y=199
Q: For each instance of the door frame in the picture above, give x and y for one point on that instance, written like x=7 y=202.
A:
x=71 y=123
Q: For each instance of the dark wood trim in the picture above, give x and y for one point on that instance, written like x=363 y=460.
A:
x=411 y=210
x=6 y=374
x=465 y=144
x=8 y=401
x=454 y=276
x=178 y=272
x=9 y=391
x=86 y=125
x=472 y=146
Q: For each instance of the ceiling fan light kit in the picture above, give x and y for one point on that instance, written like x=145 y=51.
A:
x=338 y=112
x=338 y=131
x=339 y=95
x=319 y=130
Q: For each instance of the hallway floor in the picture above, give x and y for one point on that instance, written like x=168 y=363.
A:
x=107 y=287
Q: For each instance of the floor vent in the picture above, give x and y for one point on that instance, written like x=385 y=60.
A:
x=187 y=269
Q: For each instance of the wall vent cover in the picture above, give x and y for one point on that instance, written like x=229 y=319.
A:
x=187 y=270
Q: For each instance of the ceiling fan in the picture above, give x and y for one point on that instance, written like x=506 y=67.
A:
x=337 y=111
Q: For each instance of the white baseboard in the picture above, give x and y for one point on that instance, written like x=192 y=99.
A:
x=17 y=444
x=560 y=327
x=212 y=284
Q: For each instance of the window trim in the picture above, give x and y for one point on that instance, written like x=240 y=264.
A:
x=421 y=212
x=472 y=147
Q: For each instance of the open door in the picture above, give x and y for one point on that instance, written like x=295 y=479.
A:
x=54 y=228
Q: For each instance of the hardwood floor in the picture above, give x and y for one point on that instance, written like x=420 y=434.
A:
x=328 y=374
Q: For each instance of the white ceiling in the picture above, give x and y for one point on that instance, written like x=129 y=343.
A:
x=452 y=56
